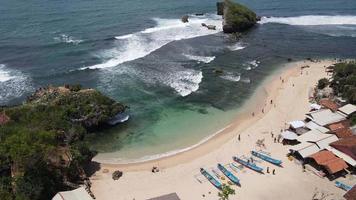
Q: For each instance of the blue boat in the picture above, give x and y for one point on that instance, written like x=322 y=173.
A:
x=228 y=174
x=343 y=186
x=266 y=158
x=212 y=180
x=252 y=166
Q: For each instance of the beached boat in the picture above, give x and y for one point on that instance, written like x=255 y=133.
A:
x=248 y=164
x=343 y=186
x=228 y=174
x=266 y=158
x=212 y=180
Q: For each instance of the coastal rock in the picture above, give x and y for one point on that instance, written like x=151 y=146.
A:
x=117 y=174
x=185 y=19
x=237 y=18
x=210 y=27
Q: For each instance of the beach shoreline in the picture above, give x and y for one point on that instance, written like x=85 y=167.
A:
x=180 y=173
x=259 y=100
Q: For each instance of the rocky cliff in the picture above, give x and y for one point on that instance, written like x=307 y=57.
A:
x=236 y=17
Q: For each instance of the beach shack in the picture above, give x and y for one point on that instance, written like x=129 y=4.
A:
x=329 y=104
x=341 y=129
x=346 y=145
x=77 y=194
x=327 y=162
x=289 y=137
x=298 y=127
x=348 y=109
x=324 y=117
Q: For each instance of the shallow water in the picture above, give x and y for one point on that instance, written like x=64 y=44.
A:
x=139 y=53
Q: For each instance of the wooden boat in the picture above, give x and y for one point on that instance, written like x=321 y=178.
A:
x=248 y=164
x=266 y=158
x=228 y=174
x=212 y=180
x=343 y=186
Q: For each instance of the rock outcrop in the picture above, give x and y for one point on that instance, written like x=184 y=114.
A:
x=185 y=19
x=236 y=17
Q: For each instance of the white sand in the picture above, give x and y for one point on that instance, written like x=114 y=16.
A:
x=178 y=173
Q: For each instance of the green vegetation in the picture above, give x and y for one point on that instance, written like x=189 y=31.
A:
x=344 y=83
x=225 y=192
x=238 y=17
x=41 y=148
x=322 y=83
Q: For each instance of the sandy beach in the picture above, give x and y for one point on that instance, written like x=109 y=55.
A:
x=289 y=89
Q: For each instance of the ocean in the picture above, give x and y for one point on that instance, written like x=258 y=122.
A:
x=139 y=53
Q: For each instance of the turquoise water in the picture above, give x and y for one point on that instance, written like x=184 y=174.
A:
x=138 y=52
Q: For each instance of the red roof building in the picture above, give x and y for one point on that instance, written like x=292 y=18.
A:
x=346 y=145
x=341 y=129
x=329 y=161
x=327 y=103
x=351 y=194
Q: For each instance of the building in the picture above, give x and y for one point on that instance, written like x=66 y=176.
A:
x=346 y=145
x=77 y=194
x=325 y=116
x=348 y=109
x=327 y=103
x=329 y=162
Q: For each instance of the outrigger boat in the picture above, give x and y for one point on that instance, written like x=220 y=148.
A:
x=248 y=164
x=228 y=174
x=266 y=158
x=343 y=186
x=212 y=180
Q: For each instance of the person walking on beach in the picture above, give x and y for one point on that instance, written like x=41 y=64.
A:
x=273 y=172
x=239 y=138
x=267 y=170
x=275 y=140
x=271 y=134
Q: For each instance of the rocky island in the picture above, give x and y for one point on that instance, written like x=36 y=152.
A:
x=236 y=17
x=42 y=149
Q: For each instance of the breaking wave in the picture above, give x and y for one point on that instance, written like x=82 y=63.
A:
x=312 y=20
x=13 y=84
x=204 y=59
x=67 y=39
x=236 y=47
x=232 y=77
x=140 y=44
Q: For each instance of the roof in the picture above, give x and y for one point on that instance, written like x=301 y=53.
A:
x=342 y=133
x=348 y=109
x=351 y=194
x=77 y=194
x=297 y=124
x=342 y=155
x=347 y=145
x=327 y=103
x=172 y=196
x=325 y=116
x=313 y=126
x=4 y=118
x=338 y=125
x=328 y=160
x=312 y=136
x=289 y=135
x=323 y=143
x=306 y=149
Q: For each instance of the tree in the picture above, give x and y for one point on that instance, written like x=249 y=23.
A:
x=225 y=192
x=322 y=83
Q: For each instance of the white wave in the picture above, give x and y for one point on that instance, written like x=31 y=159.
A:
x=184 y=82
x=67 y=39
x=231 y=77
x=140 y=44
x=246 y=80
x=5 y=74
x=204 y=59
x=251 y=64
x=12 y=84
x=236 y=47
x=309 y=20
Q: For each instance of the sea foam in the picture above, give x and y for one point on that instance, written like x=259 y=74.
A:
x=140 y=44
x=67 y=39
x=204 y=59
x=312 y=20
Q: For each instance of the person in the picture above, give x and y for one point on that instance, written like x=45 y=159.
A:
x=263 y=111
x=271 y=101
x=275 y=140
x=267 y=170
x=239 y=138
x=271 y=134
x=273 y=172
